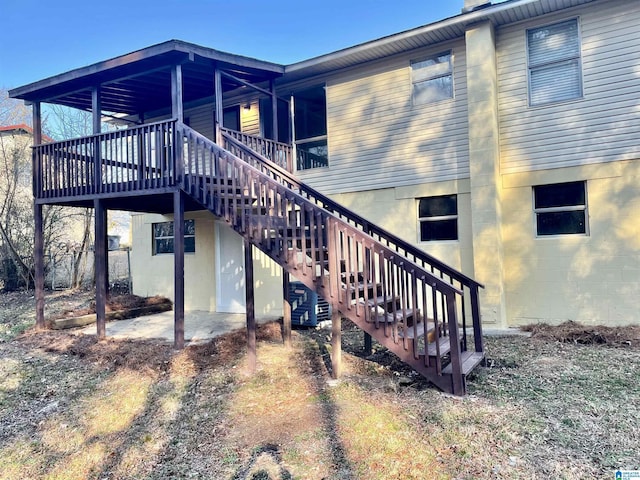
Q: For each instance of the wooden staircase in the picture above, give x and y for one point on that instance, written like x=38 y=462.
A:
x=405 y=299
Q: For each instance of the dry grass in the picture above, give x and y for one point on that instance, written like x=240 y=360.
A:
x=72 y=407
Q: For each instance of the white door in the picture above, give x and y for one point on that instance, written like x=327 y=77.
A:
x=230 y=270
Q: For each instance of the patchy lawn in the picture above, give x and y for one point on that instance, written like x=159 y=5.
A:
x=74 y=408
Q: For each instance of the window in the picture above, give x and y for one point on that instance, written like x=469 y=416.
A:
x=310 y=128
x=432 y=79
x=560 y=209
x=554 y=63
x=163 y=237
x=438 y=218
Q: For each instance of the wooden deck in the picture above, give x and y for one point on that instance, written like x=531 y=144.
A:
x=384 y=285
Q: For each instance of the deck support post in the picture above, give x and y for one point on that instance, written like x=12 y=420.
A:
x=38 y=252
x=39 y=265
x=336 y=344
x=368 y=345
x=274 y=110
x=250 y=306
x=96 y=115
x=100 y=254
x=177 y=109
x=219 y=113
x=178 y=269
x=286 y=309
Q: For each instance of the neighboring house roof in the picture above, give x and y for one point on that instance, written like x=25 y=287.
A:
x=138 y=81
x=23 y=128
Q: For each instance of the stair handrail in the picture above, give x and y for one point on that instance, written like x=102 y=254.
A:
x=204 y=179
x=446 y=287
x=365 y=225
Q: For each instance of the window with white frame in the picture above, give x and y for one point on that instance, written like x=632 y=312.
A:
x=432 y=79
x=438 y=218
x=555 y=71
x=163 y=235
x=560 y=209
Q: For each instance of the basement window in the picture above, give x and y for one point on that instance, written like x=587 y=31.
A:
x=163 y=237
x=561 y=209
x=438 y=218
x=432 y=79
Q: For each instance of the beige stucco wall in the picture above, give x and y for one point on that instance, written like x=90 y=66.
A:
x=396 y=210
x=594 y=278
x=153 y=274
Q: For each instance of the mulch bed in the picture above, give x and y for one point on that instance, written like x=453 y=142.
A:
x=574 y=332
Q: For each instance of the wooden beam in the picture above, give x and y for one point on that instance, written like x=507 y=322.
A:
x=244 y=82
x=178 y=269
x=100 y=255
x=286 y=309
x=38 y=244
x=250 y=306
x=219 y=116
x=336 y=344
x=39 y=265
x=274 y=109
x=96 y=109
x=37 y=123
x=177 y=110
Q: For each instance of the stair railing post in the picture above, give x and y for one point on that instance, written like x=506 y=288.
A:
x=475 y=314
x=457 y=380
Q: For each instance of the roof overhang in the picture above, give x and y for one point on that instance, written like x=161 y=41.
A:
x=140 y=81
x=448 y=29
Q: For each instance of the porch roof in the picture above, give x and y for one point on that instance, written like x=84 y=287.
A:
x=140 y=81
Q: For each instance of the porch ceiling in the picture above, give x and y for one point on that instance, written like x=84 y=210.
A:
x=141 y=81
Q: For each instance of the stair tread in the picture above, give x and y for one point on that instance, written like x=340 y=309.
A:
x=445 y=347
x=470 y=360
x=419 y=327
x=377 y=301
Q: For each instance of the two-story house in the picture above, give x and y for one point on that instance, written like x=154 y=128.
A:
x=498 y=145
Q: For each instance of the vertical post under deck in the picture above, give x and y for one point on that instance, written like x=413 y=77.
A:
x=177 y=109
x=39 y=266
x=39 y=227
x=219 y=117
x=250 y=303
x=336 y=344
x=100 y=256
x=274 y=110
x=178 y=269
x=368 y=345
x=286 y=310
x=96 y=111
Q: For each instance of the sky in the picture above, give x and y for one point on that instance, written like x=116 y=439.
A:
x=41 y=38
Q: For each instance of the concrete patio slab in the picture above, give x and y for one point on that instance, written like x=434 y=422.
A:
x=199 y=326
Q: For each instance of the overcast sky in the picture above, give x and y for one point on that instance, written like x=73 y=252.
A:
x=41 y=38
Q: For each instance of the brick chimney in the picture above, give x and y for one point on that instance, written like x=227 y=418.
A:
x=470 y=5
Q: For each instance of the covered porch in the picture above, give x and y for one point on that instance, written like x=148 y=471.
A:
x=142 y=168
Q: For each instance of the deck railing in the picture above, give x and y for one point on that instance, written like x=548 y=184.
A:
x=359 y=274
x=138 y=158
x=279 y=153
x=460 y=281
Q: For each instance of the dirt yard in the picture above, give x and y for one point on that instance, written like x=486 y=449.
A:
x=74 y=408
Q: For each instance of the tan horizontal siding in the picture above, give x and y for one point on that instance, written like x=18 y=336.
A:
x=600 y=127
x=201 y=119
x=378 y=139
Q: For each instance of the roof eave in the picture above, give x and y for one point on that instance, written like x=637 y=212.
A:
x=182 y=50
